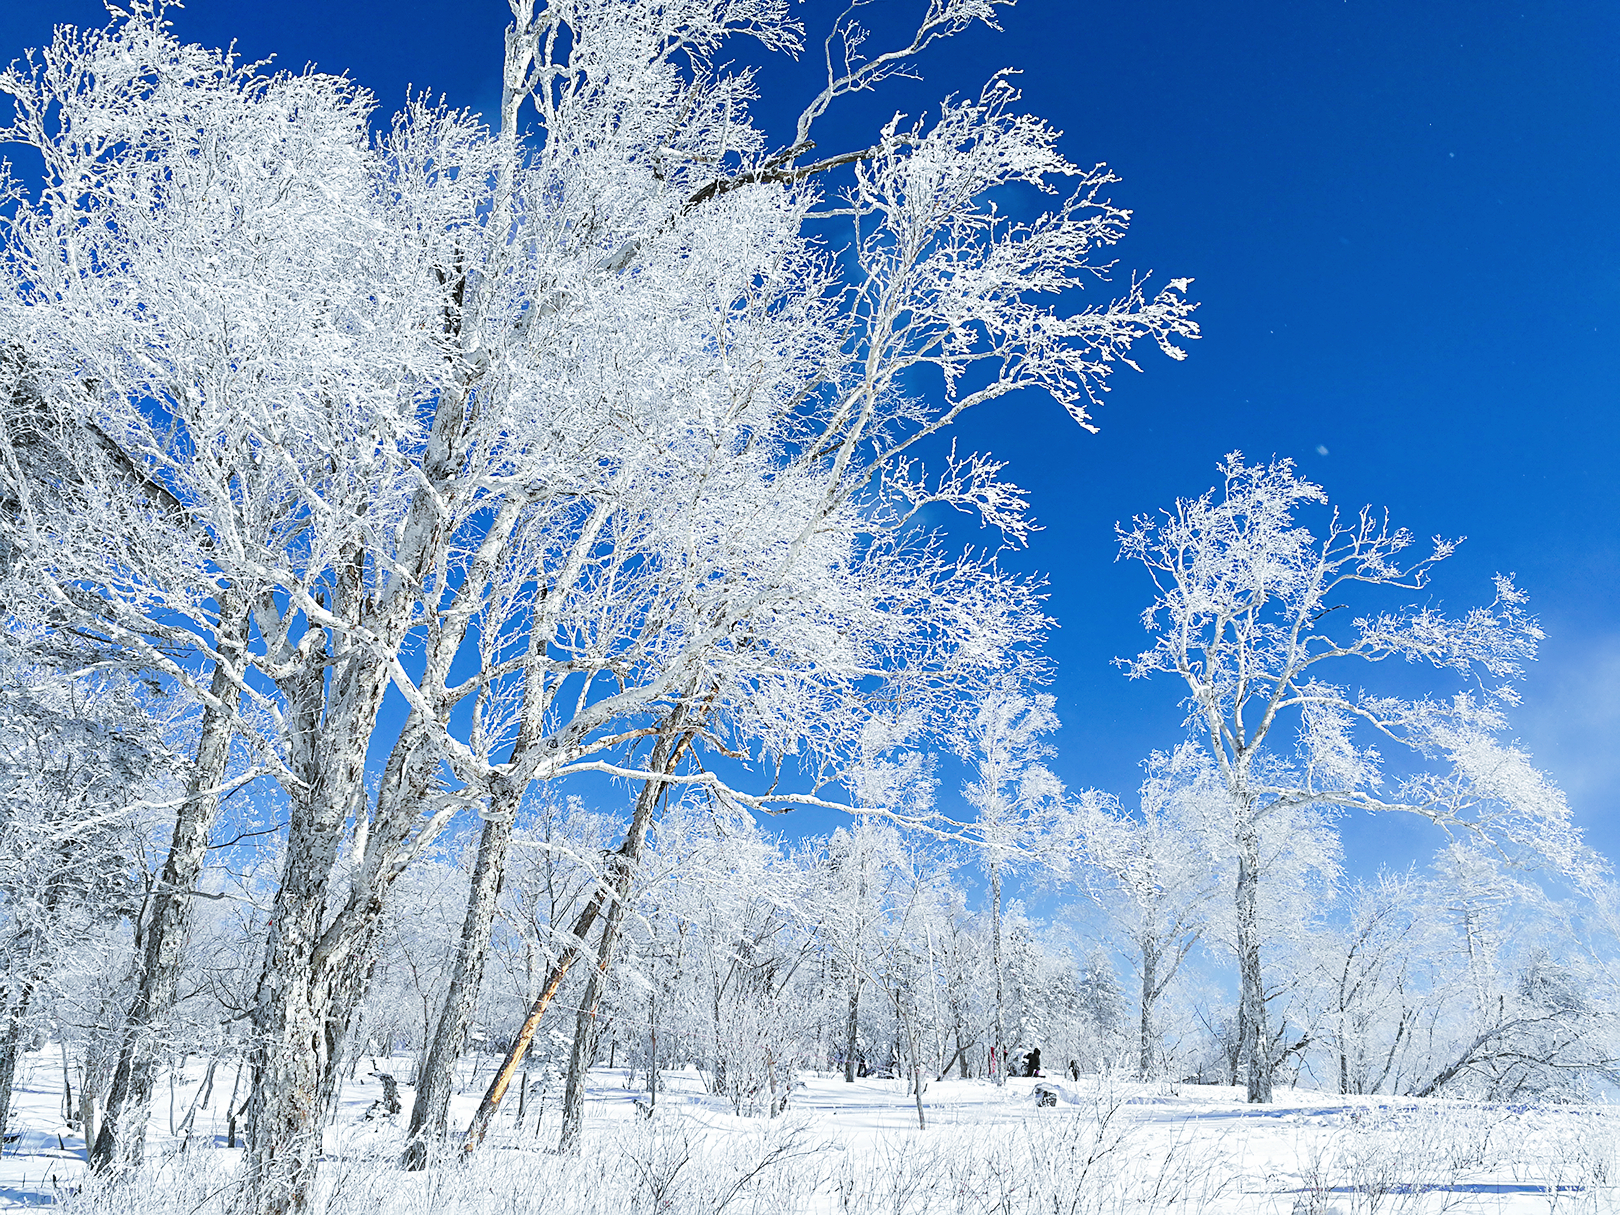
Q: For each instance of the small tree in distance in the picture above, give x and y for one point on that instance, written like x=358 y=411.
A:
x=1249 y=612
x=1158 y=878
x=1012 y=791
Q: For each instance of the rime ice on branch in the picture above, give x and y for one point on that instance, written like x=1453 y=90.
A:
x=569 y=434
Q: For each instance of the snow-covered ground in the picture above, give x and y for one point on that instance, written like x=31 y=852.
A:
x=1108 y=1146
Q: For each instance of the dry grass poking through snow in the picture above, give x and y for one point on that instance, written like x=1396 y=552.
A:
x=1107 y=1150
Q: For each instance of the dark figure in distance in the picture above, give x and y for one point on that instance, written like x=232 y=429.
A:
x=1032 y=1065
x=1074 y=1070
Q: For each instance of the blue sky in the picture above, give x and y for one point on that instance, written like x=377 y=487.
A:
x=1401 y=222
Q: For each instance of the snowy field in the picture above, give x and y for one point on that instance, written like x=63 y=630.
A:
x=1108 y=1146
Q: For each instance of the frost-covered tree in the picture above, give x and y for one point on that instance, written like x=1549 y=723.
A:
x=1517 y=1005
x=1158 y=875
x=727 y=918
x=1369 y=963
x=564 y=429
x=81 y=761
x=1011 y=793
x=852 y=898
x=1264 y=618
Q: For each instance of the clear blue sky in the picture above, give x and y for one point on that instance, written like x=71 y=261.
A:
x=1402 y=222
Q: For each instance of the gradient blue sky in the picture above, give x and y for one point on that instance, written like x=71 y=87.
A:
x=1402 y=222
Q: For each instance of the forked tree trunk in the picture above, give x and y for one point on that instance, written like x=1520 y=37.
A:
x=913 y=1049
x=122 y=1135
x=294 y=1047
x=346 y=987
x=100 y=1059
x=1255 y=1041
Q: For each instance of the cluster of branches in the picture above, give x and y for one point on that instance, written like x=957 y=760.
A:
x=565 y=431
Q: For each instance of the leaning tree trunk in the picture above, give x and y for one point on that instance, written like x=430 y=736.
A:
x=1255 y=1040
x=665 y=757
x=585 y=1035
x=502 y=1079
x=122 y=1134
x=431 y=1112
x=666 y=754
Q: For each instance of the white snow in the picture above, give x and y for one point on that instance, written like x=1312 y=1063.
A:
x=1109 y=1145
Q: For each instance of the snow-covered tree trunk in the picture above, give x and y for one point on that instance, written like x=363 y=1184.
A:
x=502 y=1079
x=1343 y=1050
x=345 y=990
x=1256 y=1042
x=1150 y=974
x=585 y=1023
x=998 y=1064
x=916 y=1075
x=89 y=1111
x=293 y=1047
x=666 y=755
x=431 y=1112
x=852 y=1027
x=122 y=1132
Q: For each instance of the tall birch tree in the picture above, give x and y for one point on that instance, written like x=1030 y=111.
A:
x=1260 y=614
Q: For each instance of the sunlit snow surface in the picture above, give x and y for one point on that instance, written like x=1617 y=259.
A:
x=1108 y=1146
